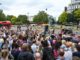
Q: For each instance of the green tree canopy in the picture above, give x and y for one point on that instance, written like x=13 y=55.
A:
x=9 y=17
x=23 y=19
x=41 y=17
x=66 y=18
x=77 y=14
x=2 y=16
x=63 y=18
x=14 y=20
x=70 y=18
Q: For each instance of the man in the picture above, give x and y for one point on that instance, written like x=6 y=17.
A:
x=19 y=28
x=34 y=47
x=25 y=54
x=77 y=53
x=47 y=51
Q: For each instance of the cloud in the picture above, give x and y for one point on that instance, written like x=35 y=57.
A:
x=16 y=7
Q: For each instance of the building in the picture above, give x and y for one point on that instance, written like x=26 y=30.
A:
x=75 y=4
x=30 y=18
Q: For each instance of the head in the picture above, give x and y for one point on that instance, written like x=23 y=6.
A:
x=69 y=44
x=60 y=35
x=25 y=47
x=78 y=47
x=44 y=43
x=38 y=56
x=63 y=42
x=34 y=41
x=61 y=52
x=4 y=53
x=20 y=37
x=16 y=46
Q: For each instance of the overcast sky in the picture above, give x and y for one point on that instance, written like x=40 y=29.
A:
x=16 y=7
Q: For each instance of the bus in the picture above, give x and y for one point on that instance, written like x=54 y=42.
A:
x=7 y=24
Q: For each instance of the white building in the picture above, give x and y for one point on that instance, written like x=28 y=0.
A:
x=75 y=4
x=30 y=18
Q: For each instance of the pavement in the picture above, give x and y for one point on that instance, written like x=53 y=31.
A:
x=41 y=28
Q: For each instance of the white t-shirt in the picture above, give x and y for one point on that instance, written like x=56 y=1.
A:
x=68 y=55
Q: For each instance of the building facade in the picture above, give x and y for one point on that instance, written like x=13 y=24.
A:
x=30 y=18
x=75 y=4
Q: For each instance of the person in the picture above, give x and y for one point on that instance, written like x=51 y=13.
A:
x=18 y=28
x=25 y=54
x=1 y=42
x=15 y=51
x=55 y=51
x=61 y=55
x=68 y=55
x=38 y=55
x=47 y=51
x=34 y=46
x=5 y=55
x=77 y=53
x=5 y=44
x=46 y=29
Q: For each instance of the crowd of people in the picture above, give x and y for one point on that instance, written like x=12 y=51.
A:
x=35 y=45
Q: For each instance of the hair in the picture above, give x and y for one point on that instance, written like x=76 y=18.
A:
x=44 y=43
x=25 y=47
x=34 y=41
x=56 y=47
x=25 y=38
x=61 y=53
x=78 y=47
x=20 y=37
x=52 y=36
x=16 y=46
x=4 y=53
x=60 y=35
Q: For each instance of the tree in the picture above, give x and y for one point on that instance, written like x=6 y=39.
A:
x=2 y=16
x=77 y=14
x=63 y=18
x=23 y=19
x=41 y=17
x=9 y=17
x=70 y=18
x=14 y=20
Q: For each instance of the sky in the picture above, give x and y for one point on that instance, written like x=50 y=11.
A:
x=32 y=7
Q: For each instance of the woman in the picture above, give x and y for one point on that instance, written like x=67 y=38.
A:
x=5 y=55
